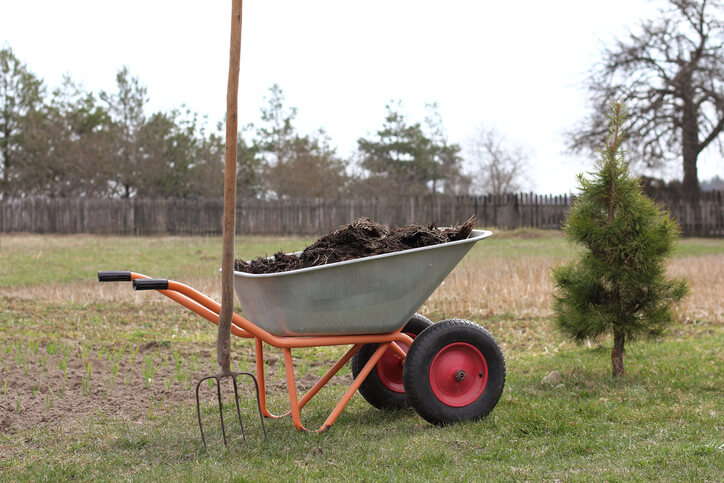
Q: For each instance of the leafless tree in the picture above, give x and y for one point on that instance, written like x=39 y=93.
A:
x=670 y=74
x=499 y=165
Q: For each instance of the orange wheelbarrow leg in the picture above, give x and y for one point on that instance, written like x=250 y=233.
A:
x=292 y=387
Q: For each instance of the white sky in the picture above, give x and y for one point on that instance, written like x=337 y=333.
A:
x=517 y=66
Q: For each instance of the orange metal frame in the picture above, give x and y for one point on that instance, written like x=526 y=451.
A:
x=209 y=309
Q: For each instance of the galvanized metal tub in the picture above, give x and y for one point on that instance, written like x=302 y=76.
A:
x=370 y=295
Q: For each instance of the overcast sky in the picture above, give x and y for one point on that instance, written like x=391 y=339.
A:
x=517 y=66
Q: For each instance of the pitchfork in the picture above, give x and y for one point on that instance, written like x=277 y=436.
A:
x=223 y=339
x=218 y=378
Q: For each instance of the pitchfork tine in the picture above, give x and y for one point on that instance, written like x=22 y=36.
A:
x=238 y=411
x=258 y=401
x=218 y=379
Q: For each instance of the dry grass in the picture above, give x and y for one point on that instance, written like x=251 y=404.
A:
x=92 y=291
x=497 y=286
x=512 y=298
x=478 y=288
x=522 y=286
x=705 y=301
x=508 y=288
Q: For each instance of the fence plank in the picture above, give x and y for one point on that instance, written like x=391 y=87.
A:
x=317 y=216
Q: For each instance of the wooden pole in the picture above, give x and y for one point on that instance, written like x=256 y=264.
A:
x=223 y=337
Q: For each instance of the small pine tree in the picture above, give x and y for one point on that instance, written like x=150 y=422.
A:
x=618 y=284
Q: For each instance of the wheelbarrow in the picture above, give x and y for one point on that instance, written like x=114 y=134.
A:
x=448 y=372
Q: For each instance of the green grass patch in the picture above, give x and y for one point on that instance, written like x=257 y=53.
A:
x=536 y=243
x=661 y=422
x=36 y=259
x=27 y=260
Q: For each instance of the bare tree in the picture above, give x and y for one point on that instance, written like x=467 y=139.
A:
x=671 y=75
x=500 y=166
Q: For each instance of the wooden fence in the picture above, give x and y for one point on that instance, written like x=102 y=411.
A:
x=315 y=216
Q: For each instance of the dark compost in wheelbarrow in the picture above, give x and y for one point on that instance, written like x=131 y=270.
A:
x=361 y=238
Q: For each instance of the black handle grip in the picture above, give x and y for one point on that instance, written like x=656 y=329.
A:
x=114 y=276
x=150 y=284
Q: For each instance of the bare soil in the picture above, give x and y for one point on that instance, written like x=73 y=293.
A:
x=56 y=391
x=361 y=238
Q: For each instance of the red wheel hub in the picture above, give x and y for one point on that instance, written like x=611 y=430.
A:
x=458 y=374
x=389 y=368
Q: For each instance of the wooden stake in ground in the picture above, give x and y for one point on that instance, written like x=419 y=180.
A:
x=223 y=337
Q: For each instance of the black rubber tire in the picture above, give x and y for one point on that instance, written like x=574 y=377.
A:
x=373 y=389
x=417 y=374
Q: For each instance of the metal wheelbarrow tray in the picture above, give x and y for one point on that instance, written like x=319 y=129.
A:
x=449 y=371
x=368 y=295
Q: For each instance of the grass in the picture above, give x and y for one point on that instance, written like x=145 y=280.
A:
x=661 y=422
x=29 y=260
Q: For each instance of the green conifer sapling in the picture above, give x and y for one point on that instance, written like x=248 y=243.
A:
x=618 y=285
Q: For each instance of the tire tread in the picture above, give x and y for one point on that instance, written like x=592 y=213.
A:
x=416 y=372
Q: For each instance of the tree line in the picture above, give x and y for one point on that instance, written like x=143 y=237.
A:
x=70 y=142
